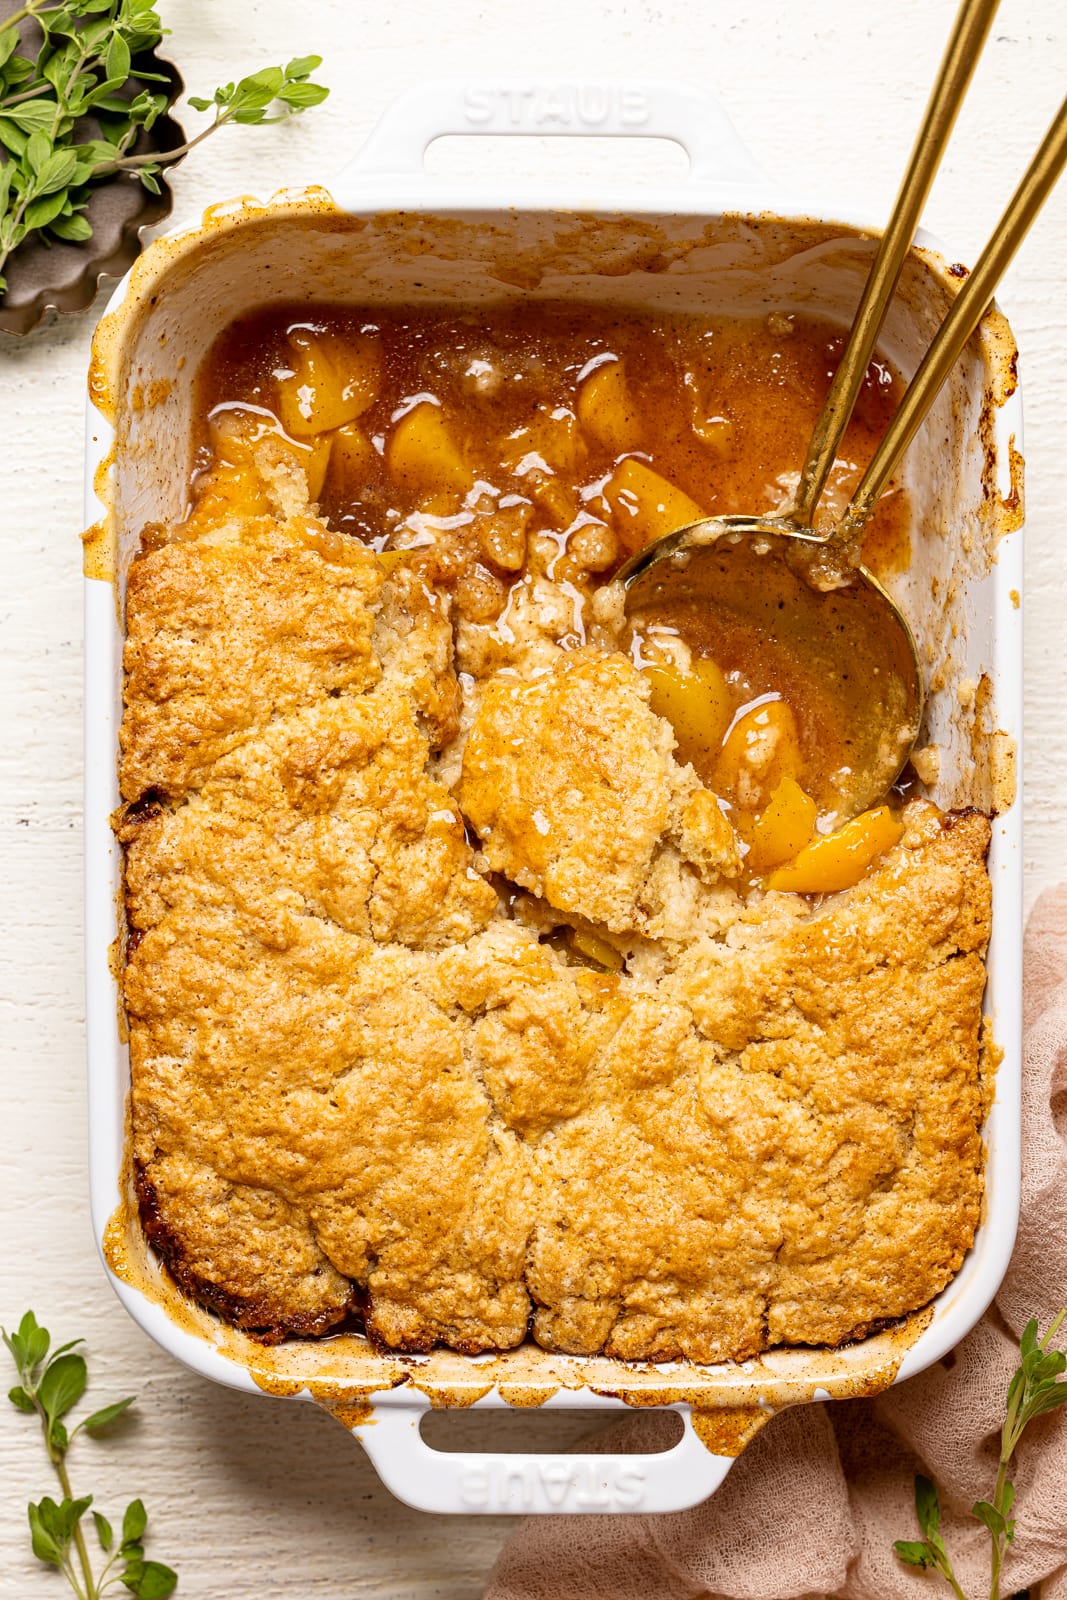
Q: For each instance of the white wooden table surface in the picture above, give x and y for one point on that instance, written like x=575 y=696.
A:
x=252 y=1496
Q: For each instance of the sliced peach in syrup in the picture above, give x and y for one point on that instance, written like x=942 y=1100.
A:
x=839 y=860
x=354 y=462
x=696 y=704
x=645 y=505
x=423 y=453
x=607 y=411
x=782 y=828
x=335 y=378
x=760 y=750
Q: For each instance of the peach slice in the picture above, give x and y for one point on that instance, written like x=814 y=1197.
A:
x=696 y=704
x=422 y=452
x=335 y=379
x=645 y=505
x=606 y=409
x=840 y=859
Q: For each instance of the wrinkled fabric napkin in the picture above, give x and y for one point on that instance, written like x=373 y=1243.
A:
x=812 y=1507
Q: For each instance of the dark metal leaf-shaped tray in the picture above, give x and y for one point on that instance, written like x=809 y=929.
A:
x=65 y=277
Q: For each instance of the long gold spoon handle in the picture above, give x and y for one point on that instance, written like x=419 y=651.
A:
x=961 y=55
x=968 y=309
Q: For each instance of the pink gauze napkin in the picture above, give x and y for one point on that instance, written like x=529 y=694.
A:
x=812 y=1507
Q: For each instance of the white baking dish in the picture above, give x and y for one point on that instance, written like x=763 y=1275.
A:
x=399 y=235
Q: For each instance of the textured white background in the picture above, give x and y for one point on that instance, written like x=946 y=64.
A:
x=251 y=1496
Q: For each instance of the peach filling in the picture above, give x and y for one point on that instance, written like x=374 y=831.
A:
x=427 y=455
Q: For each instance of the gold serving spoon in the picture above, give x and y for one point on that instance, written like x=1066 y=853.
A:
x=771 y=588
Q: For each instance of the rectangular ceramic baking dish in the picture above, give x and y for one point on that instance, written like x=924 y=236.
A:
x=727 y=239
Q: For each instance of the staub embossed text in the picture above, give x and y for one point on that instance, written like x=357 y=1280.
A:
x=551 y=1485
x=549 y=108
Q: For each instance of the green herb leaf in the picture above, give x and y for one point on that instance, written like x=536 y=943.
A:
x=135 y=1521
x=105 y=100
x=302 y=66
x=302 y=95
x=48 y=1515
x=927 y=1507
x=154 y=1582
x=100 y=152
x=33 y=115
x=61 y=1350
x=9 y=43
x=117 y=60
x=103 y=1531
x=107 y=1414
x=55 y=70
x=14 y=1341
x=14 y=140
x=64 y=1379
x=43 y=1542
x=17 y=71
x=993 y=1519
x=38 y=150
x=267 y=81
x=57 y=172
x=1049 y=1399
x=914 y=1553
x=34 y=1338
x=71 y=1513
x=20 y=1399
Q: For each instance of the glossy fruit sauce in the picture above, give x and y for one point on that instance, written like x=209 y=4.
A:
x=548 y=441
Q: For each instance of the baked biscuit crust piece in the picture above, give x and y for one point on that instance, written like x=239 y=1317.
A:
x=358 y=1086
x=225 y=633
x=571 y=784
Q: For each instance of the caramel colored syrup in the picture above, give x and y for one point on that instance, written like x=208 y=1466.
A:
x=755 y=387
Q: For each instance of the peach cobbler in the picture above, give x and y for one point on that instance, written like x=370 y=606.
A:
x=494 y=966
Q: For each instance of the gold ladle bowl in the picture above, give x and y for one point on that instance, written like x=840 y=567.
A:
x=775 y=601
x=737 y=589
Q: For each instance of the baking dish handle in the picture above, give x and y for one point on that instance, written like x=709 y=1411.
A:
x=692 y=118
x=472 y=1482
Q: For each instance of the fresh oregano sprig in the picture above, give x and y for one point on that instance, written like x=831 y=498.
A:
x=50 y=155
x=1033 y=1391
x=51 y=1382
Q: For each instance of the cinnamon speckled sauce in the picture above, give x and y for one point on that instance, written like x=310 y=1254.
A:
x=724 y=244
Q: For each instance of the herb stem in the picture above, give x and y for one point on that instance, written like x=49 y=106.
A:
x=30 y=9
x=997 y=1556
x=16 y=218
x=162 y=158
x=1054 y=1328
x=90 y=1591
x=17 y=99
